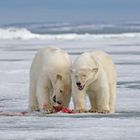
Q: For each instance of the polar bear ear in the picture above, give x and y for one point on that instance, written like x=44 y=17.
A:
x=59 y=76
x=95 y=70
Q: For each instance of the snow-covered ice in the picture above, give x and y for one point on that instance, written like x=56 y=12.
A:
x=15 y=58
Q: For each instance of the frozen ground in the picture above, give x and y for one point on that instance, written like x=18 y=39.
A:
x=15 y=60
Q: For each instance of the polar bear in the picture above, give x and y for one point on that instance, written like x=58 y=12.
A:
x=50 y=80
x=94 y=73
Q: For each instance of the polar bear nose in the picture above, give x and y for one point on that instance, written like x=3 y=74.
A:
x=78 y=84
x=56 y=101
x=54 y=98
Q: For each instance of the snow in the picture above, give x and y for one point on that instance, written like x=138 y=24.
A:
x=15 y=60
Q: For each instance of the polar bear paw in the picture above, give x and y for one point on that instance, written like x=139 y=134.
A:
x=103 y=111
x=33 y=108
x=80 y=111
x=92 y=110
x=47 y=109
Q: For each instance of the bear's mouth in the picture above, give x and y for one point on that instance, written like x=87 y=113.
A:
x=80 y=87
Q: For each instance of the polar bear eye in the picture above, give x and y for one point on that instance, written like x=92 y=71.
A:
x=61 y=91
x=76 y=76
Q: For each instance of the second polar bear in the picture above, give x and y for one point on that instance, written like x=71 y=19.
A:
x=50 y=81
x=94 y=73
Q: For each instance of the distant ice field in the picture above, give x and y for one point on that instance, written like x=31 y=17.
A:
x=16 y=55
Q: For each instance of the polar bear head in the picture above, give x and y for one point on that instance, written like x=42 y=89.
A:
x=61 y=88
x=84 y=76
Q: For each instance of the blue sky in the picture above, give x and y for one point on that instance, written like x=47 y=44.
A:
x=96 y=11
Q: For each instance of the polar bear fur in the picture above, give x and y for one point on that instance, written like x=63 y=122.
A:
x=50 y=81
x=93 y=73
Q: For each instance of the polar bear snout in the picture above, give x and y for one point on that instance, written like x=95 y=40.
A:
x=57 y=101
x=80 y=86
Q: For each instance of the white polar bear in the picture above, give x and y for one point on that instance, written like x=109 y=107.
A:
x=50 y=81
x=94 y=73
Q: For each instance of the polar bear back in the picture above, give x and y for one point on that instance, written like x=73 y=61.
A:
x=53 y=58
x=60 y=58
x=107 y=63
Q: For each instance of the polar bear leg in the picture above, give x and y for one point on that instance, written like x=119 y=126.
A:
x=112 y=97
x=92 y=102
x=43 y=96
x=33 y=103
x=67 y=100
x=79 y=100
x=102 y=100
